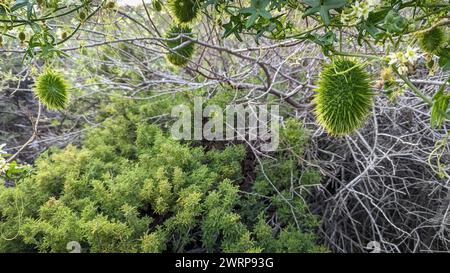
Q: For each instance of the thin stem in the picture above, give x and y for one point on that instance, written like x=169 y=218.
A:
x=79 y=25
x=419 y=93
x=358 y=55
x=416 y=90
x=45 y=18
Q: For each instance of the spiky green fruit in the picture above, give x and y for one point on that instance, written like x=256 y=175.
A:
x=110 y=5
x=182 y=55
x=52 y=89
x=157 y=5
x=344 y=97
x=185 y=11
x=82 y=15
x=22 y=36
x=433 y=41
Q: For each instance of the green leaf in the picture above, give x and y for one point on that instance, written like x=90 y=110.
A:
x=323 y=7
x=19 y=4
x=334 y=4
x=439 y=108
x=311 y=11
x=325 y=15
x=251 y=21
x=233 y=27
x=29 y=10
x=325 y=41
x=377 y=17
x=260 y=4
x=444 y=61
x=394 y=22
x=265 y=14
x=248 y=10
x=312 y=3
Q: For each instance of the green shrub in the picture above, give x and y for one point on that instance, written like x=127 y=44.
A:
x=131 y=188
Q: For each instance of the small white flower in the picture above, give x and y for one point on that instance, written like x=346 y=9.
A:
x=374 y=3
x=4 y=166
x=402 y=60
x=411 y=54
x=1 y=148
x=355 y=8
x=401 y=57
x=365 y=13
x=362 y=10
x=347 y=17
x=392 y=58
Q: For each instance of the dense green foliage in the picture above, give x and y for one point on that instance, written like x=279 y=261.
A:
x=130 y=188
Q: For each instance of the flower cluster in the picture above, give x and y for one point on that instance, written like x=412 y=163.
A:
x=359 y=11
x=401 y=59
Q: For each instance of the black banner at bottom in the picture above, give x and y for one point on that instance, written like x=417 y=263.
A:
x=229 y=263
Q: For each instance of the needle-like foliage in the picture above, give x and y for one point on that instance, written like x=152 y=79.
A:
x=52 y=89
x=184 y=11
x=343 y=97
x=181 y=54
x=433 y=41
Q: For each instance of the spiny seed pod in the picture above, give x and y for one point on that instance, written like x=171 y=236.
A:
x=52 y=89
x=22 y=36
x=82 y=15
x=157 y=5
x=433 y=41
x=110 y=5
x=182 y=55
x=344 y=97
x=184 y=10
